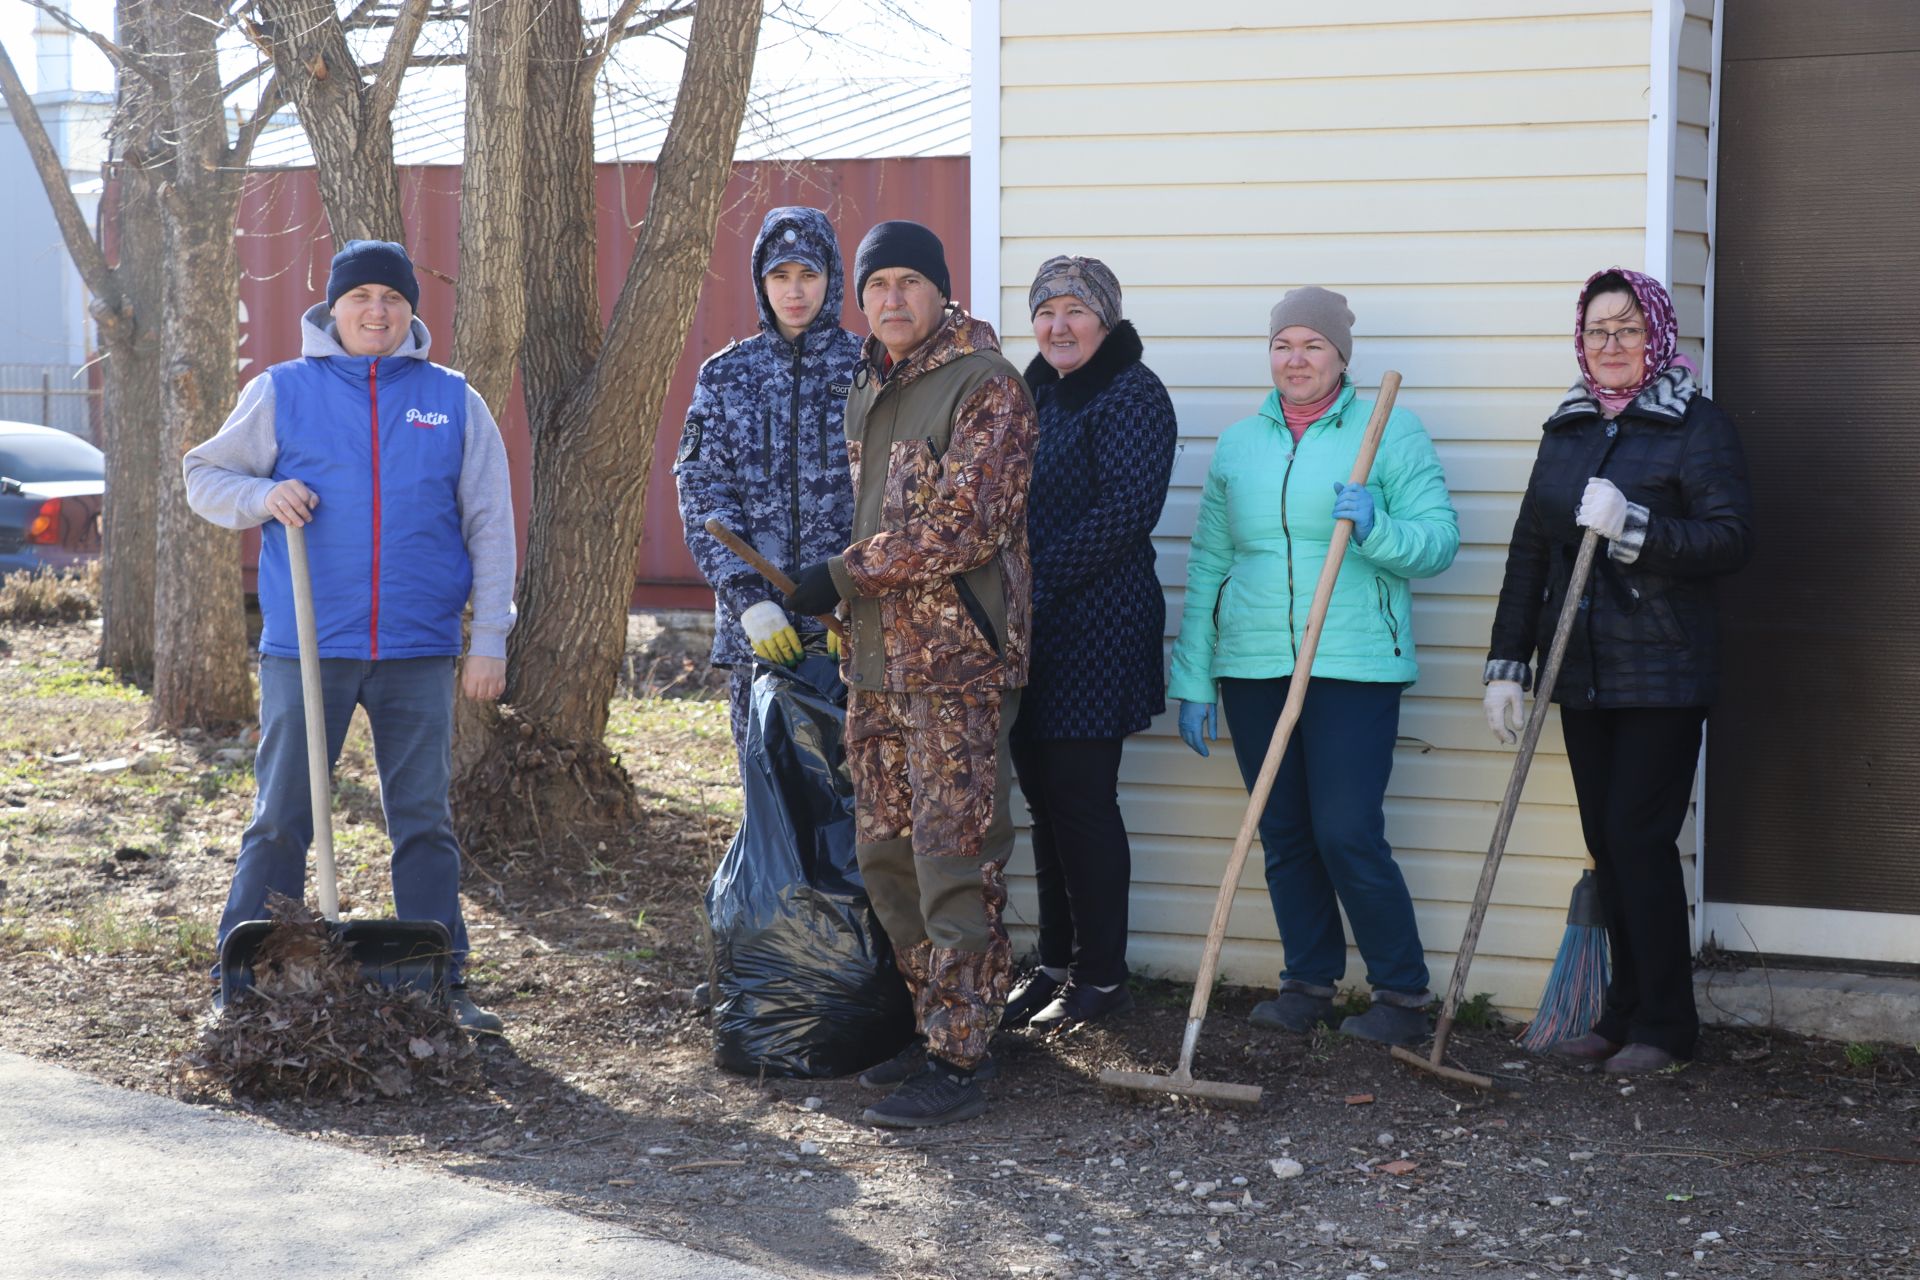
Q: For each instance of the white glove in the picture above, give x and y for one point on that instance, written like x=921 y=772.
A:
x=771 y=633
x=1506 y=706
x=1603 y=509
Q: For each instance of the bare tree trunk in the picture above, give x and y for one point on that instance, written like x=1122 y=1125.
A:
x=132 y=383
x=200 y=674
x=594 y=407
x=131 y=336
x=490 y=310
x=490 y=307
x=348 y=121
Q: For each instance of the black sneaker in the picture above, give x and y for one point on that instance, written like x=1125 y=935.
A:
x=1394 y=1017
x=940 y=1094
x=476 y=1020
x=910 y=1062
x=1299 y=1007
x=1029 y=996
x=1080 y=1003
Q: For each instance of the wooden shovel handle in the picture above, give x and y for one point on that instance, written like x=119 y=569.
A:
x=768 y=570
x=1516 y=783
x=1289 y=716
x=314 y=707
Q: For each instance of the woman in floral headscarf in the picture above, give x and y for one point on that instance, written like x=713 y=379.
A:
x=1636 y=453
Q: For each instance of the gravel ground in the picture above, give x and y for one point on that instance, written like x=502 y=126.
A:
x=1769 y=1156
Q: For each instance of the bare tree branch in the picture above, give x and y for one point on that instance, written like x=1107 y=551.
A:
x=386 y=83
x=87 y=255
x=116 y=54
x=271 y=100
x=618 y=30
x=241 y=81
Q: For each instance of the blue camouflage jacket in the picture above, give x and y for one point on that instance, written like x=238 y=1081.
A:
x=764 y=449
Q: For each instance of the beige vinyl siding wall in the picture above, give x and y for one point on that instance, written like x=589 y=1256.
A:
x=1456 y=167
x=1694 y=100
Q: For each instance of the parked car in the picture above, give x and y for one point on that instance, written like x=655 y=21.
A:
x=52 y=485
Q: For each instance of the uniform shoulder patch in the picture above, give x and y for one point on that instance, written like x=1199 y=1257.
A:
x=689 y=441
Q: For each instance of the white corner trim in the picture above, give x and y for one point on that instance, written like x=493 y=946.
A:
x=983 y=196
x=1700 y=814
x=1805 y=931
x=1663 y=86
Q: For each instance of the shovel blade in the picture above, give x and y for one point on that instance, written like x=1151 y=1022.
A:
x=401 y=954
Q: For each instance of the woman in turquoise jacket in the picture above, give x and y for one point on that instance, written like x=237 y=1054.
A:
x=1277 y=485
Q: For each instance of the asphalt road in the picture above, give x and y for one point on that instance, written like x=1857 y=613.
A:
x=98 y=1182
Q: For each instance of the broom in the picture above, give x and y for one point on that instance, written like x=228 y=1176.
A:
x=1577 y=986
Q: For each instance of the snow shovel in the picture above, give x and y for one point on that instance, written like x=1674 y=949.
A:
x=1503 y=824
x=1182 y=1081
x=392 y=953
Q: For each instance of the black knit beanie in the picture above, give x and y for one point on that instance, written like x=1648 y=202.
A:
x=901 y=244
x=373 y=262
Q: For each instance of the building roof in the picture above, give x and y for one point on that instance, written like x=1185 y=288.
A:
x=805 y=120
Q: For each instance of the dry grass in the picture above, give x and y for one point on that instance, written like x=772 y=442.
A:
x=50 y=599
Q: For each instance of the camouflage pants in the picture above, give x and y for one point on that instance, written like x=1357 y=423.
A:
x=931 y=774
x=739 y=704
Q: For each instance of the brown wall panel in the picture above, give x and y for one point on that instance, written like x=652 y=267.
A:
x=1813 y=772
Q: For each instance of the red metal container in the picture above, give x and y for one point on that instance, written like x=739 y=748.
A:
x=285 y=247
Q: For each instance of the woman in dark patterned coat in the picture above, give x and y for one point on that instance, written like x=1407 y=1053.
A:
x=1637 y=454
x=1100 y=473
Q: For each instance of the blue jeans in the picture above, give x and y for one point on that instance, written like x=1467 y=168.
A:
x=409 y=704
x=1324 y=831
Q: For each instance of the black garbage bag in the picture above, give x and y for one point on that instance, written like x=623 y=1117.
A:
x=805 y=983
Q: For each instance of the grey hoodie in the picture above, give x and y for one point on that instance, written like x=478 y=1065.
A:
x=229 y=476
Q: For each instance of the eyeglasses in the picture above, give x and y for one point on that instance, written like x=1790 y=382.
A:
x=1630 y=339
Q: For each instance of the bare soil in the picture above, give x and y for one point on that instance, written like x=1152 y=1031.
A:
x=1770 y=1156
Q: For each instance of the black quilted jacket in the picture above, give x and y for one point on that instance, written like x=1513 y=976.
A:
x=1646 y=635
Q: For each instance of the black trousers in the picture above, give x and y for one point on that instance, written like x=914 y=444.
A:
x=1633 y=774
x=1081 y=862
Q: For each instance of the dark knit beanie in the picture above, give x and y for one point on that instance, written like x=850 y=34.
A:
x=373 y=262
x=901 y=244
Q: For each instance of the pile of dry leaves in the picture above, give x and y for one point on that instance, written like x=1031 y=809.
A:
x=312 y=1027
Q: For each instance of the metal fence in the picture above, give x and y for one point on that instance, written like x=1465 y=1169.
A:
x=53 y=395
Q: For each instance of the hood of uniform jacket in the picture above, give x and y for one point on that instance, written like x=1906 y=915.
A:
x=807 y=231
x=319 y=336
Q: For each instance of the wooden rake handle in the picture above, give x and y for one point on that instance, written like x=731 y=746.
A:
x=1283 y=731
x=768 y=570
x=1516 y=783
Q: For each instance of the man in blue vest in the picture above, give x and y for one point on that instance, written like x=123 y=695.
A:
x=397 y=472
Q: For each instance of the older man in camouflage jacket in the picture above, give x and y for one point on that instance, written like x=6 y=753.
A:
x=940 y=436
x=763 y=449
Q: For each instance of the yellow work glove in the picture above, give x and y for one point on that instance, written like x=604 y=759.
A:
x=833 y=645
x=771 y=633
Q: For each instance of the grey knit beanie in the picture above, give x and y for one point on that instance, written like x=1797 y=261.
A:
x=1321 y=310
x=1087 y=279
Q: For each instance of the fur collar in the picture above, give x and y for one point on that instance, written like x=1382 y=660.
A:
x=1665 y=400
x=1121 y=350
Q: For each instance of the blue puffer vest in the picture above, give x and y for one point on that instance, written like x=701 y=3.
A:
x=381 y=441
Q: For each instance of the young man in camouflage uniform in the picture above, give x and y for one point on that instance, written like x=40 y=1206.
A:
x=940 y=436
x=764 y=450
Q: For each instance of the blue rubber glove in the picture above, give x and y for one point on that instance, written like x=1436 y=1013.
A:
x=1199 y=724
x=1353 y=502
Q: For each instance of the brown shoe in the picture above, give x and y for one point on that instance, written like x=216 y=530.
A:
x=1638 y=1060
x=1586 y=1048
